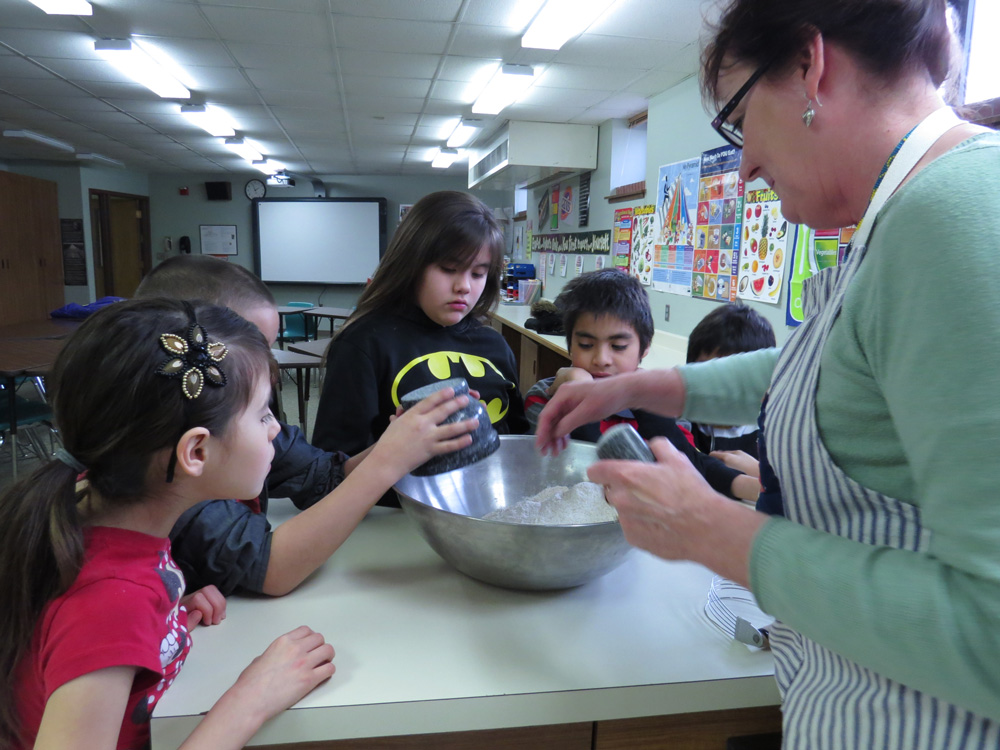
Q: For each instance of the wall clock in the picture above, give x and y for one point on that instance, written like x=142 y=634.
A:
x=255 y=189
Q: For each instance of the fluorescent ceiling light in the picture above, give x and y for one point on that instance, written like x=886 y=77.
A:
x=464 y=133
x=268 y=166
x=244 y=148
x=506 y=86
x=144 y=64
x=561 y=20
x=101 y=158
x=211 y=119
x=39 y=138
x=445 y=158
x=65 y=7
x=449 y=127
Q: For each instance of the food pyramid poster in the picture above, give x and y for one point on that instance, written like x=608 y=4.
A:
x=718 y=225
x=672 y=250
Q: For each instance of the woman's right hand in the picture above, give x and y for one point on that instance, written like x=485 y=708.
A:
x=418 y=435
x=289 y=668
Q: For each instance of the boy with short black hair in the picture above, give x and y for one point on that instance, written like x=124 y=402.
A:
x=729 y=329
x=609 y=329
x=230 y=543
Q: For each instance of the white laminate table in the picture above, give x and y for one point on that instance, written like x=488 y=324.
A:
x=421 y=648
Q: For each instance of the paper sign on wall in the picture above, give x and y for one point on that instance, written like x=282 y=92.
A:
x=765 y=247
x=717 y=233
x=643 y=227
x=673 y=256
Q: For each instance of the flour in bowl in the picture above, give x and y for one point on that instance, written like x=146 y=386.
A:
x=559 y=506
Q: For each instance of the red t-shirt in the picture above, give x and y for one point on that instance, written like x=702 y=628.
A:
x=123 y=609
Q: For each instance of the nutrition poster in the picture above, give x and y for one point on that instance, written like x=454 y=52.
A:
x=621 y=240
x=673 y=258
x=815 y=249
x=643 y=227
x=765 y=247
x=718 y=226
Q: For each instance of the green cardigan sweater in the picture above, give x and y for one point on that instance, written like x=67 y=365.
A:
x=908 y=404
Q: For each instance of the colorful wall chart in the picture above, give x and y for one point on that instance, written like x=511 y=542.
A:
x=643 y=227
x=621 y=240
x=673 y=259
x=718 y=225
x=765 y=247
x=815 y=249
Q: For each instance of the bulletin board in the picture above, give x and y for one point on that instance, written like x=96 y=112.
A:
x=218 y=239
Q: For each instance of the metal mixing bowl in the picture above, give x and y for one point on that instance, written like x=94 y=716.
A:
x=448 y=510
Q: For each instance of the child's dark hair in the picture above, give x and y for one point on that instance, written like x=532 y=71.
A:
x=119 y=418
x=607 y=292
x=446 y=227
x=730 y=329
x=204 y=277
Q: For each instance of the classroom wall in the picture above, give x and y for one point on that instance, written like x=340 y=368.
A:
x=174 y=215
x=678 y=129
x=74 y=184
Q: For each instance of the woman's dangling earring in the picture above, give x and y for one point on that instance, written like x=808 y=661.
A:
x=809 y=114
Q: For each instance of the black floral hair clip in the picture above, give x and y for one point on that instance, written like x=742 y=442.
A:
x=193 y=360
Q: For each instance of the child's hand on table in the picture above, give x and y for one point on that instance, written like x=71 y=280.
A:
x=289 y=668
x=739 y=460
x=205 y=606
x=567 y=375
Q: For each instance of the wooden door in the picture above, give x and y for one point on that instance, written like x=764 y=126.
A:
x=31 y=281
x=120 y=233
x=126 y=245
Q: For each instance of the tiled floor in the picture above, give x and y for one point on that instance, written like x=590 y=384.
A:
x=27 y=462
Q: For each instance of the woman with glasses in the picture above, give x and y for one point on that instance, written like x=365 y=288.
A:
x=883 y=418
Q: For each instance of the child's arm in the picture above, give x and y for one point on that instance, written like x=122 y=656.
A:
x=302 y=472
x=568 y=375
x=303 y=543
x=87 y=712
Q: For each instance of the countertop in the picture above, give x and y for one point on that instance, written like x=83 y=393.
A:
x=422 y=648
x=667 y=349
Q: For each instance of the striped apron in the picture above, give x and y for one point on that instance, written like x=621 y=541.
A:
x=830 y=702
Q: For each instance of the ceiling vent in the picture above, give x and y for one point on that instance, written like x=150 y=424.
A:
x=533 y=152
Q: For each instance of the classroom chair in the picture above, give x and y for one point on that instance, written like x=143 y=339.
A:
x=297 y=327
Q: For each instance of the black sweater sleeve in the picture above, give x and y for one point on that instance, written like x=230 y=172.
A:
x=348 y=405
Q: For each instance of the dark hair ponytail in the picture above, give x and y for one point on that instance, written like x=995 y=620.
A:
x=115 y=414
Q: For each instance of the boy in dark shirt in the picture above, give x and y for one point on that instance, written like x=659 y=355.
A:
x=230 y=543
x=728 y=329
x=609 y=328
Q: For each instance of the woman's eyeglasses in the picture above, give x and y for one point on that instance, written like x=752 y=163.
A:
x=732 y=132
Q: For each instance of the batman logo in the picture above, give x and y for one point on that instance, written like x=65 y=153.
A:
x=480 y=373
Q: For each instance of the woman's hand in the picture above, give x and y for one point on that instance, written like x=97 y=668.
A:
x=667 y=508
x=739 y=460
x=418 y=435
x=205 y=606
x=659 y=391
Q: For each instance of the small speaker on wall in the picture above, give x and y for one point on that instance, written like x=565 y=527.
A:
x=219 y=191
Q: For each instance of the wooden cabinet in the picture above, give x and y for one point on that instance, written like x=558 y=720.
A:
x=31 y=277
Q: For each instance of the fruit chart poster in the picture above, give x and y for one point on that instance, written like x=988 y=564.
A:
x=673 y=259
x=643 y=226
x=718 y=226
x=765 y=247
